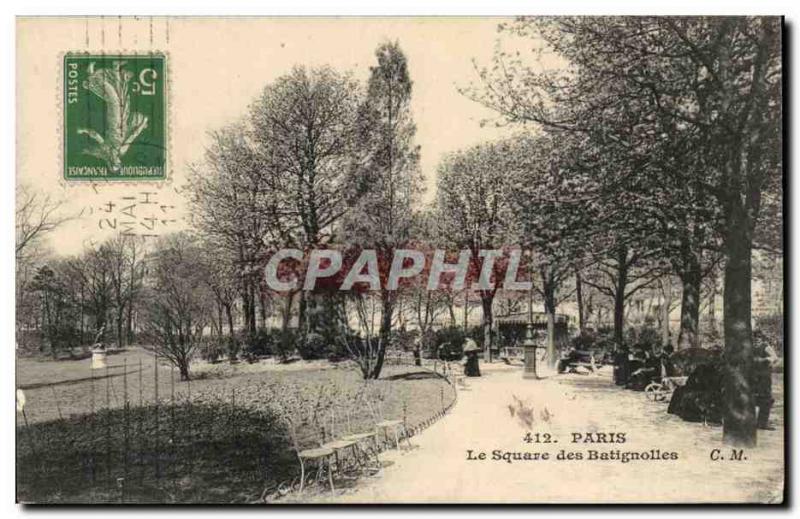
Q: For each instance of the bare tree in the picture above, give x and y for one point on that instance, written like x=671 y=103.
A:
x=365 y=347
x=36 y=215
x=124 y=258
x=221 y=279
x=178 y=307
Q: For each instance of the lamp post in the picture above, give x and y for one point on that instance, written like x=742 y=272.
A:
x=529 y=346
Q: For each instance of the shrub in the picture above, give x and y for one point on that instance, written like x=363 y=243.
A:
x=511 y=334
x=313 y=347
x=284 y=343
x=601 y=344
x=404 y=340
x=234 y=346
x=644 y=337
x=649 y=337
x=261 y=343
x=448 y=344
x=61 y=337
x=211 y=349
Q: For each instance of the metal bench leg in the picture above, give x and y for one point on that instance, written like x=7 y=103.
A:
x=302 y=475
x=407 y=438
x=376 y=449
x=330 y=476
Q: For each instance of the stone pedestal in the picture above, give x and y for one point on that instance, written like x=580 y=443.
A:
x=529 y=348
x=530 y=363
x=98 y=358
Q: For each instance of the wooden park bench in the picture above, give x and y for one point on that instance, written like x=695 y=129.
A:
x=510 y=353
x=577 y=359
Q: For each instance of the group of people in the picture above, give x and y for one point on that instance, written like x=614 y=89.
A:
x=700 y=399
x=638 y=368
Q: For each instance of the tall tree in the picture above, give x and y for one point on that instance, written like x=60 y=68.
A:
x=304 y=126
x=235 y=203
x=221 y=278
x=474 y=211
x=36 y=215
x=386 y=176
x=712 y=84
x=124 y=258
x=547 y=223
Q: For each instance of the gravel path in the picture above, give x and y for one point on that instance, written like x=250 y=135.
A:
x=437 y=469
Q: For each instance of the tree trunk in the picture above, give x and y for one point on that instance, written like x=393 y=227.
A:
x=387 y=308
x=579 y=300
x=302 y=313
x=252 y=296
x=550 y=312
x=229 y=315
x=712 y=308
x=487 y=321
x=262 y=306
x=120 y=317
x=619 y=297
x=666 y=289
x=287 y=312
x=619 y=315
x=45 y=331
x=739 y=419
x=689 y=335
x=183 y=369
x=129 y=321
x=245 y=305
x=82 y=318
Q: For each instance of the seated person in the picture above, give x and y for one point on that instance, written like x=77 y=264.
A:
x=667 y=366
x=568 y=360
x=649 y=371
x=700 y=400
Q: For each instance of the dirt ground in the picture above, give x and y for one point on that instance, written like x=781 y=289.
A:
x=437 y=469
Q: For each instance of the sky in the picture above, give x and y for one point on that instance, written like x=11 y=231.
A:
x=216 y=67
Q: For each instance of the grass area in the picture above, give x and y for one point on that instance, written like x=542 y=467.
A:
x=198 y=453
x=216 y=439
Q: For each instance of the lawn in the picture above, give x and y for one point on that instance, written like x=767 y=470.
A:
x=218 y=438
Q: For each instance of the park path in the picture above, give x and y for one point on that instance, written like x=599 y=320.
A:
x=436 y=469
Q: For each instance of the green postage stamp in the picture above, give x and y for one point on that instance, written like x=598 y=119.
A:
x=115 y=117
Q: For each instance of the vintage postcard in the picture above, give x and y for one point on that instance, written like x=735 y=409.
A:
x=398 y=260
